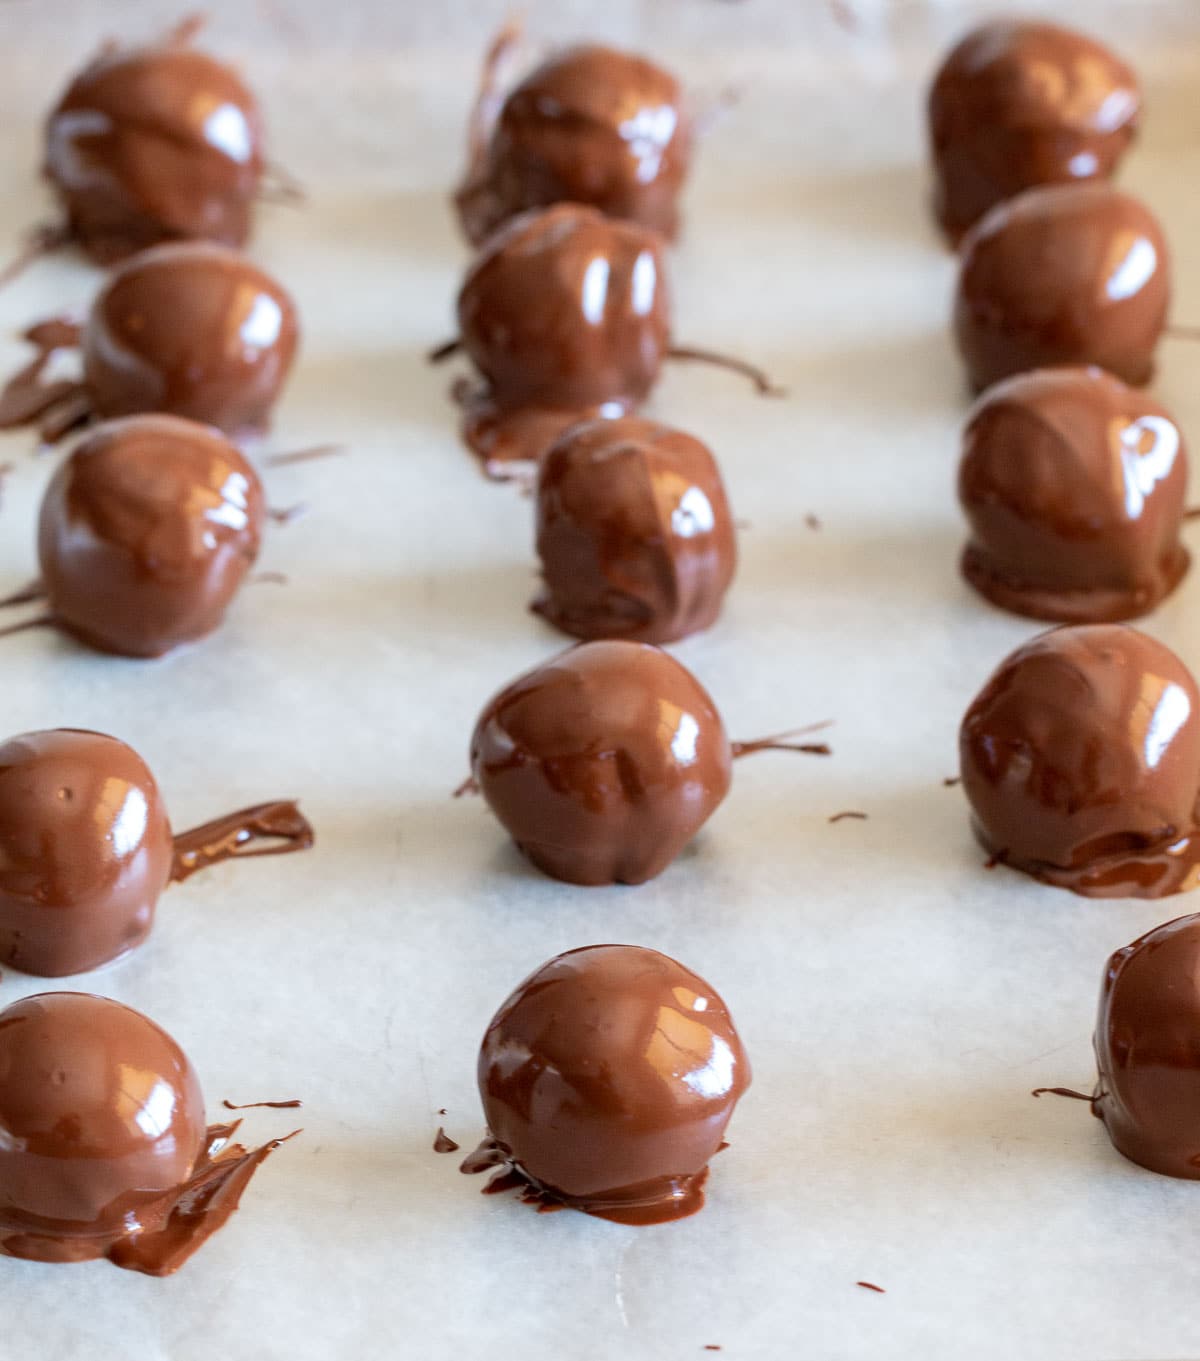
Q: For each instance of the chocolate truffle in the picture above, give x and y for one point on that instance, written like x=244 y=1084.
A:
x=1019 y=103
x=86 y=849
x=608 y=1078
x=146 y=532
x=192 y=330
x=603 y=762
x=565 y=314
x=1081 y=762
x=633 y=531
x=1074 y=488
x=1148 y=1049
x=1073 y=274
x=152 y=144
x=592 y=126
x=103 y=1145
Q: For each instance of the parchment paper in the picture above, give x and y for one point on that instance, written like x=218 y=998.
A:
x=898 y=1002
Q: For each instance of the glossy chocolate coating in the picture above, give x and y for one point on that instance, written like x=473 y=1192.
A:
x=634 y=532
x=1074 y=486
x=192 y=330
x=152 y=144
x=1147 y=1044
x=1069 y=275
x=608 y=1078
x=101 y=1115
x=103 y=1146
x=565 y=314
x=603 y=762
x=1081 y=762
x=592 y=125
x=85 y=851
x=146 y=532
x=1019 y=103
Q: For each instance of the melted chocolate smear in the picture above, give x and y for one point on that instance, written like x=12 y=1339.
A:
x=294 y=1104
x=58 y=406
x=951 y=780
x=1063 y=1091
x=781 y=742
x=192 y=1213
x=286 y=514
x=841 y=817
x=269 y=579
x=281 y=823
x=869 y=1285
x=442 y=1142
x=666 y=1199
x=469 y=786
x=41 y=241
x=762 y=384
x=812 y=522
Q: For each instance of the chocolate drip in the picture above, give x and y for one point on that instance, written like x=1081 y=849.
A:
x=198 y=1209
x=36 y=590
x=443 y=1143
x=781 y=742
x=294 y=1104
x=762 y=383
x=25 y=399
x=281 y=823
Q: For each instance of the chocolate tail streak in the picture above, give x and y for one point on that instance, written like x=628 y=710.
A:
x=281 y=186
x=281 y=823
x=41 y=241
x=440 y=353
x=782 y=742
x=469 y=786
x=185 y=32
x=493 y=78
x=200 y=1208
x=309 y=455
x=1066 y=1091
x=25 y=596
x=762 y=383
x=293 y=1104
x=57 y=407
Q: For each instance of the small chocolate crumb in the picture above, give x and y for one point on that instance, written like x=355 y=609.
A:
x=951 y=780
x=867 y=1285
x=850 y=813
x=443 y=1143
x=286 y=514
x=441 y=1110
x=294 y=1104
x=812 y=522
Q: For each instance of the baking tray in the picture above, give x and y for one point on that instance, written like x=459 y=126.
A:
x=898 y=1002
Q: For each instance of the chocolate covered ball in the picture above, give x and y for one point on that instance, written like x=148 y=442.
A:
x=1020 y=103
x=1147 y=1044
x=85 y=851
x=101 y=1118
x=146 y=532
x=191 y=330
x=634 y=532
x=103 y=1146
x=593 y=126
x=155 y=143
x=565 y=315
x=1068 y=275
x=1081 y=762
x=608 y=1078
x=1074 y=486
x=603 y=762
